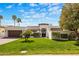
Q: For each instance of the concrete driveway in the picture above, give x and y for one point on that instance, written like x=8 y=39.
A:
x=6 y=40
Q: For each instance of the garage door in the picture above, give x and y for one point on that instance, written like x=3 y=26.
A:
x=14 y=33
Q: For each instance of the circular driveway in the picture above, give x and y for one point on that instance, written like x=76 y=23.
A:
x=6 y=40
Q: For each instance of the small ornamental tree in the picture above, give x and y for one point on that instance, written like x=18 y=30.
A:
x=26 y=34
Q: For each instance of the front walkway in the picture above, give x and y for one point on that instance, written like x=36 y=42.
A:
x=6 y=40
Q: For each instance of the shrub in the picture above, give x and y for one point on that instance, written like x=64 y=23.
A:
x=56 y=35
x=72 y=36
x=36 y=34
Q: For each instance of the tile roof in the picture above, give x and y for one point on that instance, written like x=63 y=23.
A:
x=28 y=27
x=43 y=24
x=16 y=27
x=55 y=27
x=33 y=27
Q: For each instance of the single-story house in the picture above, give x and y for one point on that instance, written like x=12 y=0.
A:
x=44 y=29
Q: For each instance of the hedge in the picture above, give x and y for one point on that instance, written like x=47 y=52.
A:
x=36 y=34
x=56 y=35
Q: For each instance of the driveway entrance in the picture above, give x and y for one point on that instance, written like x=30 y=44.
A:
x=6 y=40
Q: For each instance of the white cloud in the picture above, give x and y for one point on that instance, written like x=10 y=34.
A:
x=29 y=24
x=25 y=13
x=44 y=4
x=47 y=17
x=39 y=15
x=55 y=4
x=9 y=6
x=32 y=11
x=1 y=10
x=19 y=4
x=29 y=14
x=26 y=17
x=54 y=10
x=43 y=10
x=50 y=9
x=43 y=14
x=21 y=10
x=35 y=16
x=26 y=22
x=60 y=10
x=33 y=4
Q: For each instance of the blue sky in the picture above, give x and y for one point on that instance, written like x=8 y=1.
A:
x=31 y=13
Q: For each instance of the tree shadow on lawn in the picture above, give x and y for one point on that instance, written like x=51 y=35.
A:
x=63 y=40
x=60 y=40
x=77 y=43
x=27 y=41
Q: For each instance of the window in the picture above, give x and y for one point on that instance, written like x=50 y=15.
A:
x=64 y=35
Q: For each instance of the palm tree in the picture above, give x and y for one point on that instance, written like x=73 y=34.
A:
x=1 y=17
x=19 y=21
x=14 y=17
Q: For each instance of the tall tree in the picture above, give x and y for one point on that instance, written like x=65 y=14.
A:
x=70 y=17
x=1 y=17
x=14 y=17
x=19 y=21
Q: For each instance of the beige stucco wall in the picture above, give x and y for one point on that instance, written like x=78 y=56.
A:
x=2 y=32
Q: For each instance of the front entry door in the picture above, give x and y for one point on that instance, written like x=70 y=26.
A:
x=43 y=34
x=43 y=30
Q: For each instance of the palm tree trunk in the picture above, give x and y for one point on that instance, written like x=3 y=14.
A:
x=14 y=23
x=19 y=24
x=0 y=22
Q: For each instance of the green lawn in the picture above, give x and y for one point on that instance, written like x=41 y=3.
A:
x=39 y=46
